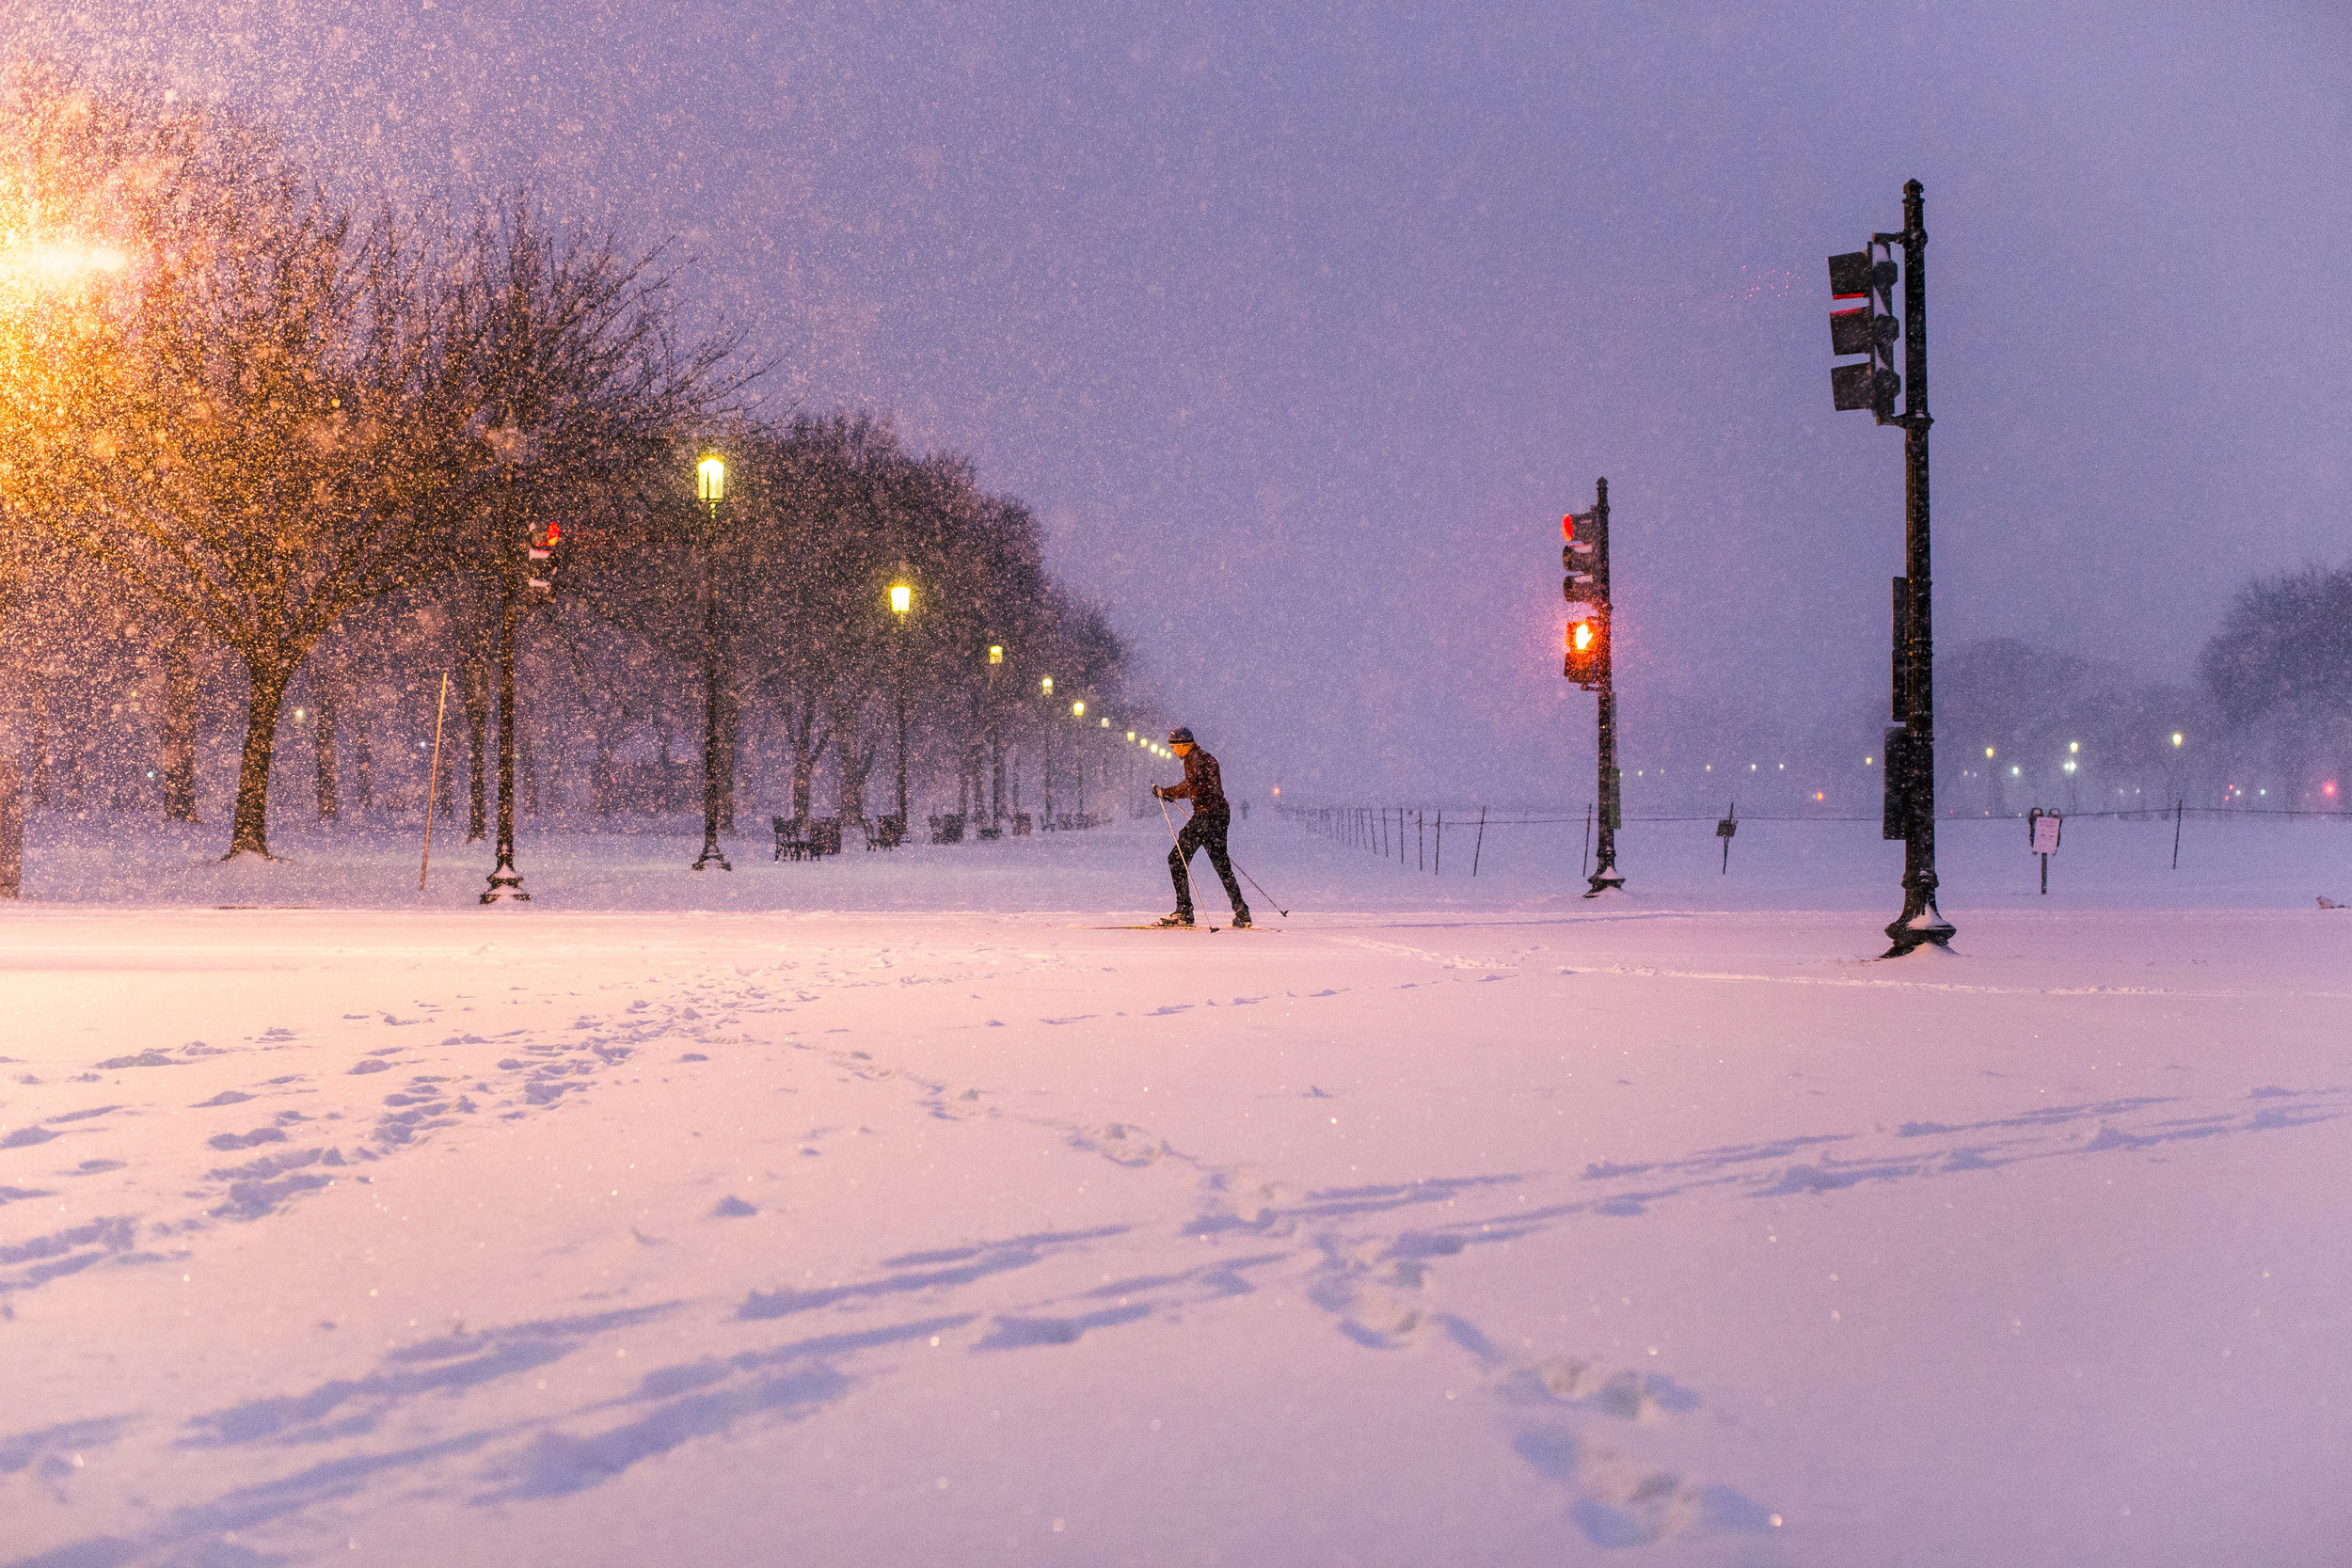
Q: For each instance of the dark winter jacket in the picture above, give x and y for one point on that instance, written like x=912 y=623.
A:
x=1203 y=785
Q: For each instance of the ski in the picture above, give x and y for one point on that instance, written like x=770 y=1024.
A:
x=1155 y=927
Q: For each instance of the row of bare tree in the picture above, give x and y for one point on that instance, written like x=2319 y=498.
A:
x=246 y=420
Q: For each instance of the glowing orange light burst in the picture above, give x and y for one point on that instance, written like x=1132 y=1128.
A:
x=56 y=263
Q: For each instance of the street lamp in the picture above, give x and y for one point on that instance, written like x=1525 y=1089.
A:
x=711 y=488
x=1045 y=685
x=511 y=449
x=994 y=739
x=28 y=272
x=901 y=603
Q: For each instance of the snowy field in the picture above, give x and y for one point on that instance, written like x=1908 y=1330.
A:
x=893 y=1209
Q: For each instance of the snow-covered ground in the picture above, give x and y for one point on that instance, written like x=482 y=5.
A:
x=893 y=1209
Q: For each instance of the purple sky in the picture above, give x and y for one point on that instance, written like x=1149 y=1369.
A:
x=1300 y=326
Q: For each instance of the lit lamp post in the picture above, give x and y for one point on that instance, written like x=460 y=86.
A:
x=28 y=272
x=1078 y=760
x=901 y=603
x=511 y=448
x=1046 y=686
x=711 y=488
x=996 y=741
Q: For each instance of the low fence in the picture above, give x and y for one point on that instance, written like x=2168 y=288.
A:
x=1414 y=835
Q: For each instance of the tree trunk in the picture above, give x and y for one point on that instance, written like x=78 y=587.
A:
x=323 y=686
x=11 y=826
x=181 y=693
x=248 y=826
x=44 y=775
x=444 y=762
x=856 y=765
x=362 y=760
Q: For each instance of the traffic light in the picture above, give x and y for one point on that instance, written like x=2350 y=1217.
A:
x=1585 y=586
x=540 y=571
x=1869 y=328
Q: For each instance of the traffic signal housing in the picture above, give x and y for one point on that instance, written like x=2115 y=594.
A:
x=1868 y=328
x=541 y=557
x=1584 y=562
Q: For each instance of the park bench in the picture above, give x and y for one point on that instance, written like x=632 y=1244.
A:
x=792 y=838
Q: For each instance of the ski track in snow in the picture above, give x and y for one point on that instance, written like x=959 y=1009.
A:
x=1374 y=1259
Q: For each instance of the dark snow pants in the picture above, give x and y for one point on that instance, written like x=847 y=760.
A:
x=1204 y=830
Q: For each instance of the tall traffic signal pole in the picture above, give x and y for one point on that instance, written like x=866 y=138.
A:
x=1584 y=560
x=1872 y=328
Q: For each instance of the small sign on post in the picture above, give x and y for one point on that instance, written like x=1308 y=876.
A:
x=2042 y=829
x=1724 y=827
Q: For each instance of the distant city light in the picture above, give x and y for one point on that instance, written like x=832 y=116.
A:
x=2176 y=737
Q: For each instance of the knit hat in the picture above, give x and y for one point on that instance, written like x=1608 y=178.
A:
x=1181 y=735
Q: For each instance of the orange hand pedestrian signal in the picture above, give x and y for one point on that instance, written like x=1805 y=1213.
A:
x=1588 y=643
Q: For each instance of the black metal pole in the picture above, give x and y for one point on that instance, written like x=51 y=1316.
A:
x=1920 y=921
x=507 y=883
x=901 y=662
x=1605 y=874
x=712 y=854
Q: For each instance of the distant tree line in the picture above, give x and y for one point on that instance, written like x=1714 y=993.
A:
x=265 y=446
x=2267 y=721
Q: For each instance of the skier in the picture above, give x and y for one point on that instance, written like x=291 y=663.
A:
x=1204 y=787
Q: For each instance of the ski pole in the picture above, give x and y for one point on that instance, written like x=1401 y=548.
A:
x=1261 y=892
x=1186 y=861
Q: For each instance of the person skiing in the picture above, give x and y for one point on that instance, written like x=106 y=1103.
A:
x=1204 y=787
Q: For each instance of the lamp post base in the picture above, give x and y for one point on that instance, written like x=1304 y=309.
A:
x=1607 y=878
x=710 y=857
x=506 y=887
x=1912 y=931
